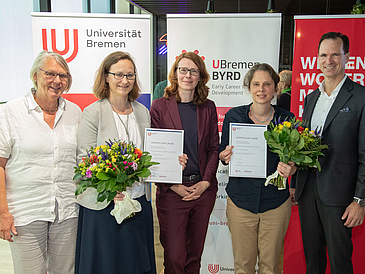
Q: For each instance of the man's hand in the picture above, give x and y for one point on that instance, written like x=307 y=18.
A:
x=292 y=197
x=354 y=215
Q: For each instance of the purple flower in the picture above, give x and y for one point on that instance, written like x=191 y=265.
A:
x=110 y=143
x=104 y=155
x=318 y=130
x=124 y=150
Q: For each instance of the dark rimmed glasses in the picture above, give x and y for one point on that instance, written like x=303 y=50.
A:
x=50 y=75
x=184 y=70
x=120 y=76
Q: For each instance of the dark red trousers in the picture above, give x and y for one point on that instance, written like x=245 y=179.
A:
x=183 y=227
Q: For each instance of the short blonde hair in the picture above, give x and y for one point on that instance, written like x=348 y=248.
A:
x=285 y=77
x=39 y=61
x=101 y=87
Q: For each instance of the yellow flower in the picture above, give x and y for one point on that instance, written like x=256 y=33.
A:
x=281 y=126
x=287 y=124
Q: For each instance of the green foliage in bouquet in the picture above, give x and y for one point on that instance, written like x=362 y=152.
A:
x=294 y=142
x=112 y=167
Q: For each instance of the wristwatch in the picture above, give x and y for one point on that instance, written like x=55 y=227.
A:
x=361 y=202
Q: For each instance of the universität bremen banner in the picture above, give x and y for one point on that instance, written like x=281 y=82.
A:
x=84 y=40
x=306 y=78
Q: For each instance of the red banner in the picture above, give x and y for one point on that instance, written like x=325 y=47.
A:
x=308 y=31
x=306 y=78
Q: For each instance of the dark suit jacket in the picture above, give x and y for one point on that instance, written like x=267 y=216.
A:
x=165 y=114
x=343 y=166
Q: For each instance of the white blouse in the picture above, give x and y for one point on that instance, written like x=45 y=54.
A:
x=41 y=160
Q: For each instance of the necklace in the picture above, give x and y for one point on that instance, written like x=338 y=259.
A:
x=125 y=127
x=46 y=110
x=258 y=119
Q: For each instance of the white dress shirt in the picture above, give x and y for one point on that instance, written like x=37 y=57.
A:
x=41 y=160
x=323 y=105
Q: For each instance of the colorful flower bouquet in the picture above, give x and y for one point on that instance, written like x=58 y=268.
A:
x=113 y=168
x=293 y=142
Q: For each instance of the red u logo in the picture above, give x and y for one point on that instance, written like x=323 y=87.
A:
x=213 y=268
x=67 y=43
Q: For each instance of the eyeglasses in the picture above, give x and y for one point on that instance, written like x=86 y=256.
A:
x=52 y=75
x=184 y=70
x=120 y=76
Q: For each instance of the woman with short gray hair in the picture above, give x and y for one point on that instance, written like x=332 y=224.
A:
x=38 y=209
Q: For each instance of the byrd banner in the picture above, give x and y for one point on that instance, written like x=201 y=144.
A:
x=84 y=40
x=306 y=78
x=230 y=44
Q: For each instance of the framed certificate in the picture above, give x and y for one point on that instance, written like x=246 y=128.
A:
x=250 y=152
x=165 y=146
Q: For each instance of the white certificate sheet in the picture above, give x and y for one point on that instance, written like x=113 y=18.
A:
x=249 y=153
x=165 y=146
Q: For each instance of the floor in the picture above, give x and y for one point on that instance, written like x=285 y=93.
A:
x=6 y=264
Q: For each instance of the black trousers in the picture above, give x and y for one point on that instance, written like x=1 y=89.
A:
x=323 y=227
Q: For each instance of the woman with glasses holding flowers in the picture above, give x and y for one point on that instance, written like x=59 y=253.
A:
x=258 y=215
x=103 y=245
x=38 y=209
x=183 y=210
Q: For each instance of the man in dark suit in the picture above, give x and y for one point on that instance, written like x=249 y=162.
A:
x=331 y=202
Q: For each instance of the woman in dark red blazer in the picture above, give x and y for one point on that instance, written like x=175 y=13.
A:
x=183 y=210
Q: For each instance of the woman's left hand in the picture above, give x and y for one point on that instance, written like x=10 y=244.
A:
x=286 y=170
x=196 y=190
x=118 y=197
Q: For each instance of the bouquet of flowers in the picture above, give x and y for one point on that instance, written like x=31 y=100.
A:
x=112 y=168
x=293 y=142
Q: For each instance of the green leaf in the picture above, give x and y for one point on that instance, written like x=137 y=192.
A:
x=102 y=196
x=80 y=188
x=297 y=158
x=145 y=172
x=101 y=186
x=78 y=175
x=300 y=144
x=276 y=146
x=111 y=195
x=318 y=165
x=109 y=184
x=275 y=135
x=122 y=177
x=102 y=176
x=294 y=136
x=307 y=160
x=284 y=137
